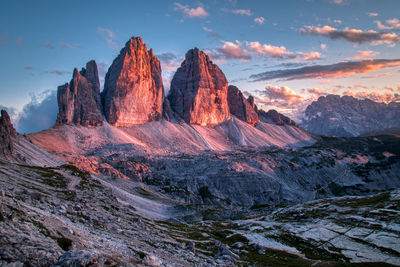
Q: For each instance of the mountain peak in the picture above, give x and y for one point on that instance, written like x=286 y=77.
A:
x=349 y=116
x=199 y=90
x=79 y=101
x=133 y=90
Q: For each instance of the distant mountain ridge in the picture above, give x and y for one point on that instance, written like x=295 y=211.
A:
x=347 y=116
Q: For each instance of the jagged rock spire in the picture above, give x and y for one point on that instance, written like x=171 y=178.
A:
x=133 y=90
x=79 y=101
x=199 y=90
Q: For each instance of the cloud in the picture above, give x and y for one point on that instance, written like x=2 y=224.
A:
x=26 y=67
x=108 y=35
x=10 y=110
x=4 y=39
x=39 y=114
x=243 y=12
x=352 y=35
x=230 y=50
x=58 y=72
x=337 y=2
x=244 y=51
x=273 y=51
x=70 y=46
x=259 y=20
x=274 y=93
x=310 y=56
x=169 y=64
x=392 y=24
x=374 y=96
x=338 y=70
x=380 y=75
x=48 y=45
x=20 y=41
x=366 y=54
x=372 y=14
x=169 y=61
x=317 y=91
x=211 y=33
x=198 y=12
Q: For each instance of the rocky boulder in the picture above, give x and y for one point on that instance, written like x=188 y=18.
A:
x=199 y=91
x=133 y=90
x=241 y=107
x=7 y=134
x=79 y=101
x=274 y=117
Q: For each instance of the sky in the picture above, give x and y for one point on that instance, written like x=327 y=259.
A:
x=286 y=53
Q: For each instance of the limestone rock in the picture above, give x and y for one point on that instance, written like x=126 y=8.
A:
x=199 y=91
x=274 y=117
x=241 y=107
x=79 y=101
x=7 y=134
x=349 y=116
x=133 y=90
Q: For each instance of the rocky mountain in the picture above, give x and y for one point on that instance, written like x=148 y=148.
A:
x=181 y=182
x=348 y=116
x=79 y=101
x=133 y=90
x=7 y=134
x=242 y=108
x=199 y=91
x=274 y=117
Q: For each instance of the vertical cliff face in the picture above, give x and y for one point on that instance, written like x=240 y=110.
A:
x=79 y=101
x=133 y=90
x=7 y=134
x=199 y=91
x=241 y=107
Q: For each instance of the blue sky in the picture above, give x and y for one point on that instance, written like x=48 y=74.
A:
x=42 y=41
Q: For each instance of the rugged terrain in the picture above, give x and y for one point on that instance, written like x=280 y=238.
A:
x=348 y=116
x=202 y=177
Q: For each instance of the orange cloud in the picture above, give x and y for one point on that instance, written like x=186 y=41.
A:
x=352 y=35
x=310 y=56
x=317 y=91
x=274 y=93
x=338 y=70
x=272 y=51
x=366 y=54
x=375 y=96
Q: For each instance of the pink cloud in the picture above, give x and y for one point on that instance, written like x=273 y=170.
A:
x=352 y=35
x=392 y=24
x=198 y=12
x=259 y=20
x=310 y=56
x=317 y=91
x=273 y=51
x=231 y=50
x=366 y=54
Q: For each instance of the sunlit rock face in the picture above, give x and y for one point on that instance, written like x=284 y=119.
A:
x=199 y=91
x=7 y=133
x=133 y=90
x=241 y=107
x=274 y=117
x=79 y=101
